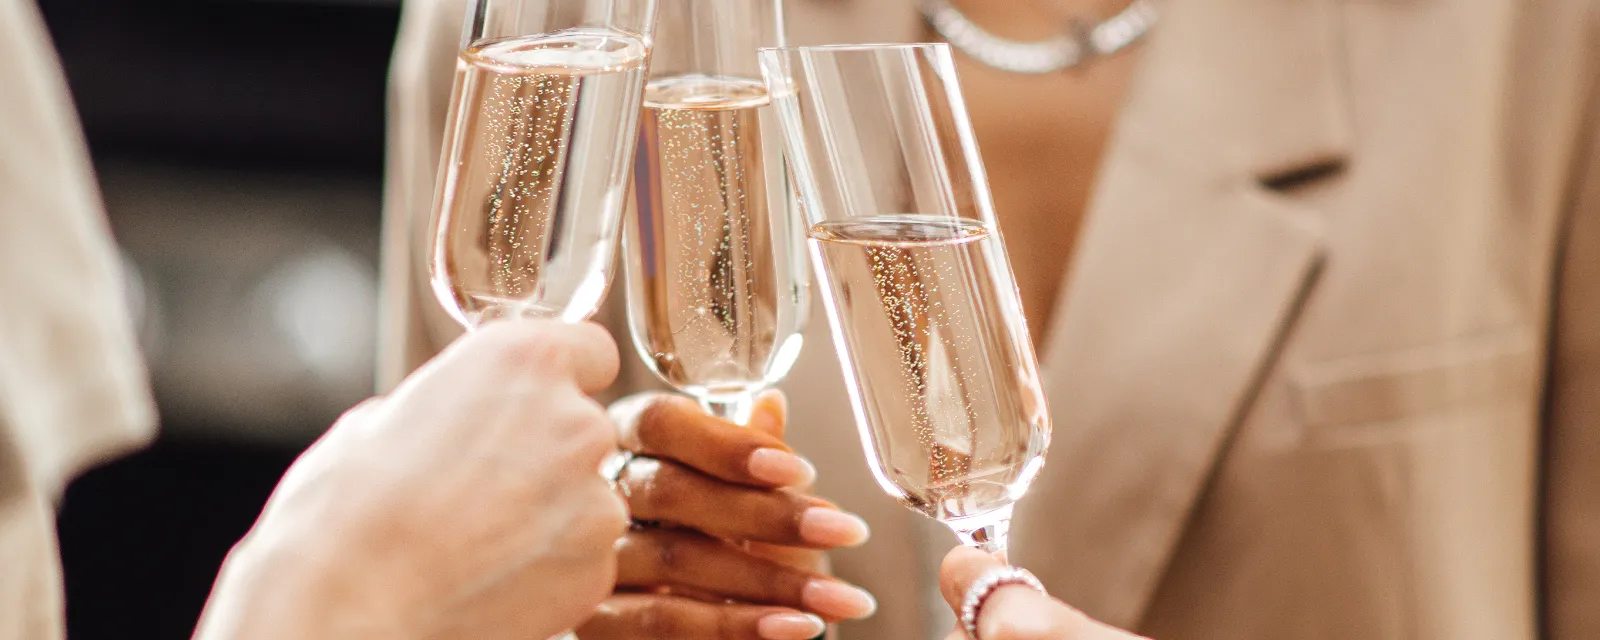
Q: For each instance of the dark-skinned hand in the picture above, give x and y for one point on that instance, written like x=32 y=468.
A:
x=732 y=545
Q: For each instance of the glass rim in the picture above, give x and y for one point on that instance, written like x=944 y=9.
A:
x=884 y=46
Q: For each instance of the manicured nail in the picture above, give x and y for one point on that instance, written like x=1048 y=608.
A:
x=781 y=468
x=771 y=407
x=838 y=599
x=827 y=527
x=790 y=626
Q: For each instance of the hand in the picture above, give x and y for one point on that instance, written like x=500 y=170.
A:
x=733 y=551
x=1015 y=612
x=467 y=504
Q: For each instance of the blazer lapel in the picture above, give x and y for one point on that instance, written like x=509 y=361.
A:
x=1188 y=273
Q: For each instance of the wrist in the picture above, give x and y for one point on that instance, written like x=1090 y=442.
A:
x=273 y=589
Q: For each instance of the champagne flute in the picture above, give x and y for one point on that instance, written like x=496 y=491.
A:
x=919 y=291
x=717 y=282
x=533 y=175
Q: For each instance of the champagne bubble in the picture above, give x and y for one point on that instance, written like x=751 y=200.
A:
x=710 y=281
x=516 y=123
x=935 y=359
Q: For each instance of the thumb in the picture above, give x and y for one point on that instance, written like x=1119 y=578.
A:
x=1015 y=612
x=962 y=567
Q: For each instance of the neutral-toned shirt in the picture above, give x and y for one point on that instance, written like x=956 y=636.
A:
x=73 y=389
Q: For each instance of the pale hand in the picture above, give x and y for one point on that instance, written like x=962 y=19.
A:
x=466 y=504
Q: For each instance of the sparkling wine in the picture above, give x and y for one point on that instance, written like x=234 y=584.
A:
x=943 y=383
x=535 y=177
x=717 y=284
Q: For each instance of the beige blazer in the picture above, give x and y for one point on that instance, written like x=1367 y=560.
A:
x=1327 y=364
x=73 y=390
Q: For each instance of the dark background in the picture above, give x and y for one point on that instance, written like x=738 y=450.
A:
x=239 y=145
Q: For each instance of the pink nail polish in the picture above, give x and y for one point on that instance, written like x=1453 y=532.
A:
x=838 y=599
x=781 y=468
x=790 y=626
x=827 y=527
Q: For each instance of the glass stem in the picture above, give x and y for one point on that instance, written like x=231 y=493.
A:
x=988 y=532
x=735 y=408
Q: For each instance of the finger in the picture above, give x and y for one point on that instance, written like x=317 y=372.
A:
x=569 y=418
x=659 y=617
x=771 y=416
x=771 y=413
x=800 y=558
x=649 y=558
x=665 y=491
x=581 y=351
x=625 y=413
x=676 y=428
x=1015 y=612
x=962 y=567
x=605 y=516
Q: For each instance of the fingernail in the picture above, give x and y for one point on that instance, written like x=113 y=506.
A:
x=781 y=468
x=790 y=626
x=838 y=599
x=771 y=407
x=833 y=528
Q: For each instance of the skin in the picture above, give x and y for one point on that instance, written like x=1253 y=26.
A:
x=444 y=509
x=731 y=521
x=531 y=533
x=1015 y=612
x=1042 y=139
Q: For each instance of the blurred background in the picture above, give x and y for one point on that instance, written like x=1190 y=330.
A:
x=239 y=145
